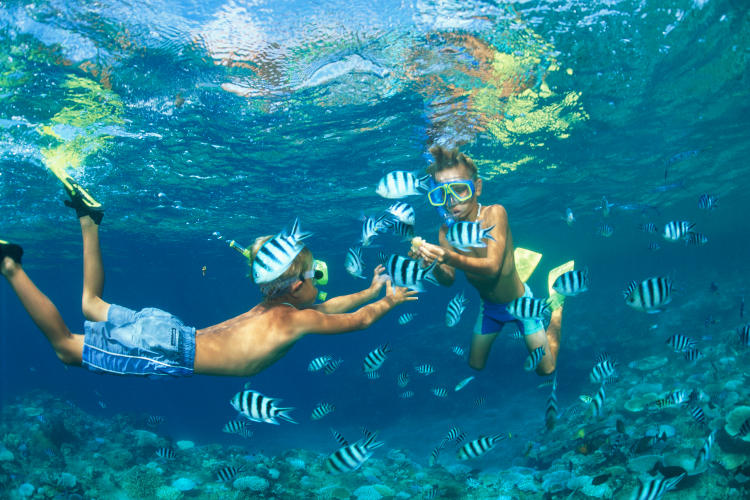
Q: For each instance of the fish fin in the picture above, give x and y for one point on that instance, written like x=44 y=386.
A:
x=526 y=261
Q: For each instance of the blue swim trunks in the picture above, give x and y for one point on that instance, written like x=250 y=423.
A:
x=148 y=342
x=492 y=317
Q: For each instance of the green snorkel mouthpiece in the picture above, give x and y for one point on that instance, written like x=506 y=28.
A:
x=321 y=277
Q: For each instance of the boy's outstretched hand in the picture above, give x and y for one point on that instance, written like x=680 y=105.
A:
x=378 y=280
x=398 y=295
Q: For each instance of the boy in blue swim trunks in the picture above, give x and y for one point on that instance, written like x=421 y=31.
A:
x=152 y=342
x=492 y=269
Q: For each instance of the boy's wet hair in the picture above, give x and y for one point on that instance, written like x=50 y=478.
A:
x=449 y=158
x=301 y=263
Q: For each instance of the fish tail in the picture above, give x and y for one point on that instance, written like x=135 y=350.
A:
x=283 y=413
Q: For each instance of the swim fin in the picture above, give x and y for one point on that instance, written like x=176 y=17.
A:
x=555 y=299
x=11 y=250
x=526 y=262
x=80 y=200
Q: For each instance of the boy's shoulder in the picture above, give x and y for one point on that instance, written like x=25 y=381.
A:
x=494 y=211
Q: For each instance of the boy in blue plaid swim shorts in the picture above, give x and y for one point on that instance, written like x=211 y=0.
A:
x=152 y=342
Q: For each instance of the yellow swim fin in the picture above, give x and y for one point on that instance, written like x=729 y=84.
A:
x=526 y=262
x=75 y=191
x=555 y=299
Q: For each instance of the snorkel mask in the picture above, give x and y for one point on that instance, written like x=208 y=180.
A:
x=441 y=193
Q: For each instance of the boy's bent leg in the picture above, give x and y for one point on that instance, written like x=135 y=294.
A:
x=93 y=306
x=68 y=346
x=480 y=349
x=538 y=339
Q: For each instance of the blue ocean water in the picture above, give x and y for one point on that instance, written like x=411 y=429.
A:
x=195 y=123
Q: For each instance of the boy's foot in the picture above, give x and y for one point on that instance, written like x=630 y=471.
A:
x=15 y=252
x=80 y=200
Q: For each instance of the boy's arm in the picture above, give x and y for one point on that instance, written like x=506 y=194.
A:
x=346 y=303
x=312 y=321
x=495 y=215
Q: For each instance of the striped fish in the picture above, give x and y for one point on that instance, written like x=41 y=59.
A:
x=455 y=434
x=602 y=371
x=259 y=408
x=431 y=492
x=743 y=333
x=572 y=283
x=516 y=334
x=655 y=488
x=319 y=363
x=406 y=395
x=400 y=183
x=370 y=229
x=528 y=308
x=404 y=230
x=374 y=375
x=403 y=379
x=332 y=366
x=234 y=426
x=354 y=264
x=653 y=246
x=322 y=410
x=605 y=230
x=154 y=420
x=693 y=239
x=744 y=428
x=697 y=413
x=405 y=318
x=480 y=402
x=550 y=414
x=704 y=452
x=228 y=473
x=674 y=230
x=350 y=458
x=375 y=358
x=407 y=272
x=440 y=392
x=339 y=438
x=457 y=350
x=597 y=402
x=680 y=343
x=650 y=294
x=434 y=455
x=455 y=309
x=533 y=359
x=693 y=354
x=479 y=447
x=425 y=369
x=166 y=452
x=672 y=399
x=245 y=432
x=707 y=202
x=464 y=235
x=277 y=254
x=629 y=289
x=648 y=227
x=403 y=212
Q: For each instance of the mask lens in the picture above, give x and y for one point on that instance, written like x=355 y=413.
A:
x=462 y=191
x=437 y=196
x=321 y=272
